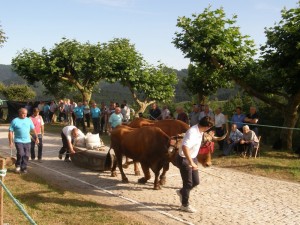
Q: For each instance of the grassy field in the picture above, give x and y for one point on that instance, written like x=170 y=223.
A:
x=49 y=205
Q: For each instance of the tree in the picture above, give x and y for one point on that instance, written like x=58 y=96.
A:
x=273 y=79
x=17 y=92
x=146 y=83
x=211 y=41
x=68 y=65
x=3 y=38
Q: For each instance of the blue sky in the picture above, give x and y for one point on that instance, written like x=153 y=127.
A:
x=149 y=24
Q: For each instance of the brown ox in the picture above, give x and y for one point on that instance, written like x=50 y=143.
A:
x=170 y=127
x=148 y=145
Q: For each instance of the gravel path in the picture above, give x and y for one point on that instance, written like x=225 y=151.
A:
x=224 y=196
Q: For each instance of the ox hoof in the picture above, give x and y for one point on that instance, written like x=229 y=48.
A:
x=125 y=165
x=125 y=180
x=157 y=187
x=113 y=174
x=137 y=173
x=142 y=180
x=162 y=181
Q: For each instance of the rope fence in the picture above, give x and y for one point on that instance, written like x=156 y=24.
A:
x=17 y=203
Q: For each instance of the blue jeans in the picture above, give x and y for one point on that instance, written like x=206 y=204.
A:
x=190 y=178
x=22 y=155
x=228 y=147
x=40 y=146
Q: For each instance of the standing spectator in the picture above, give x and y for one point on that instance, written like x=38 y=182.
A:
x=38 y=123
x=181 y=115
x=126 y=111
x=95 y=113
x=238 y=118
x=73 y=105
x=187 y=161
x=165 y=113
x=103 y=118
x=68 y=135
x=252 y=118
x=232 y=141
x=220 y=124
x=19 y=132
x=194 y=115
x=206 y=112
x=41 y=108
x=115 y=119
x=79 y=121
x=29 y=108
x=52 y=110
x=47 y=113
x=87 y=115
x=155 y=112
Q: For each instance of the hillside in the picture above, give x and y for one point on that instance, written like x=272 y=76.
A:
x=104 y=92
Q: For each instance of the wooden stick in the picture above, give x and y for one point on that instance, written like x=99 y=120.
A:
x=2 y=165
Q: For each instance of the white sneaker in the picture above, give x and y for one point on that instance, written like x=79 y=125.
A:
x=18 y=169
x=188 y=208
x=180 y=195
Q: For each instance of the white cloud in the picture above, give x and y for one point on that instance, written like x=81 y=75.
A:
x=112 y=3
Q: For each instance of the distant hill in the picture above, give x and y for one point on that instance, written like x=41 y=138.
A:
x=104 y=92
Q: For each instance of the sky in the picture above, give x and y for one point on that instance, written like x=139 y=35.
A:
x=149 y=24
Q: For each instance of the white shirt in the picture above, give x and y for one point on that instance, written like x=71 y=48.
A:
x=165 y=114
x=219 y=120
x=68 y=130
x=192 y=140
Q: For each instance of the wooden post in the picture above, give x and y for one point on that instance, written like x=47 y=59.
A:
x=2 y=165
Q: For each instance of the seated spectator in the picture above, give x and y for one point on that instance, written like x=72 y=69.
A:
x=181 y=115
x=248 y=141
x=238 y=118
x=252 y=118
x=233 y=140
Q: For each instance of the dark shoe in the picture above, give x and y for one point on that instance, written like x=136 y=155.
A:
x=60 y=156
x=67 y=160
x=24 y=171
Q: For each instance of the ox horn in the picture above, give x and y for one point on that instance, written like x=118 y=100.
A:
x=220 y=138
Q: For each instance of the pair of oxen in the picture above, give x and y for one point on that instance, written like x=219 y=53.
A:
x=154 y=144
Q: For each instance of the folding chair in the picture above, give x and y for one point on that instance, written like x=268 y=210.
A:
x=257 y=147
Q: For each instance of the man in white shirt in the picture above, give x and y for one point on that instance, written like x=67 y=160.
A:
x=68 y=135
x=187 y=161
x=220 y=124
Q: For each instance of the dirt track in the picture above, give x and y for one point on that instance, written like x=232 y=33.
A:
x=224 y=196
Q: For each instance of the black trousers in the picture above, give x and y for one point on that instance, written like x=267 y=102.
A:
x=40 y=146
x=190 y=178
x=65 y=148
x=80 y=122
x=220 y=133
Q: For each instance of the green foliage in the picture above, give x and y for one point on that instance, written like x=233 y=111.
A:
x=17 y=92
x=215 y=48
x=281 y=53
x=3 y=38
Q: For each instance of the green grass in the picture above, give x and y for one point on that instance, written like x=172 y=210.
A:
x=274 y=164
x=47 y=204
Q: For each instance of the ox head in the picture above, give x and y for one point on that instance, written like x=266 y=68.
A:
x=175 y=143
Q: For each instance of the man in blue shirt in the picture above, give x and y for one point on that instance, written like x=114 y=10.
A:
x=238 y=118
x=116 y=118
x=95 y=114
x=78 y=111
x=19 y=133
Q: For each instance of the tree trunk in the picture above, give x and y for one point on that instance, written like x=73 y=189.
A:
x=86 y=95
x=291 y=117
x=201 y=98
